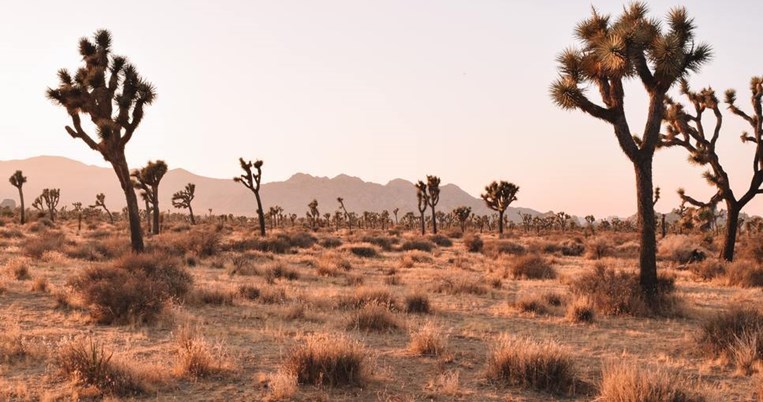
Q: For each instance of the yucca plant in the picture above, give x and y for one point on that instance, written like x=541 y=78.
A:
x=183 y=198
x=498 y=196
x=251 y=180
x=433 y=187
x=147 y=180
x=423 y=203
x=100 y=201
x=17 y=180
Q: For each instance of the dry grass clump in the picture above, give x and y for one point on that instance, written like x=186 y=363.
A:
x=363 y=251
x=273 y=295
x=680 y=248
x=459 y=285
x=474 y=243
x=619 y=293
x=531 y=266
x=40 y=284
x=331 y=242
x=744 y=273
x=202 y=243
x=283 y=385
x=428 y=340
x=333 y=360
x=87 y=363
x=374 y=317
x=418 y=244
x=13 y=344
x=196 y=357
x=736 y=334
x=162 y=268
x=543 y=366
x=528 y=303
x=36 y=246
x=708 y=269
x=385 y=243
x=17 y=268
x=599 y=248
x=626 y=382
x=441 y=241
x=211 y=296
x=330 y=264
x=413 y=257
x=581 y=310
x=279 y=270
x=99 y=250
x=368 y=295
x=417 y=303
x=250 y=292
x=499 y=247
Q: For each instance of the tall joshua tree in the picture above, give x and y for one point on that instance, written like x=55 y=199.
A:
x=611 y=52
x=340 y=200
x=313 y=213
x=147 y=179
x=423 y=203
x=100 y=201
x=462 y=215
x=183 y=198
x=686 y=129
x=48 y=200
x=433 y=187
x=251 y=180
x=113 y=94
x=17 y=180
x=498 y=196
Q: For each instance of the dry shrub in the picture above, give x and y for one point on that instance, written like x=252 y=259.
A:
x=374 y=317
x=273 y=295
x=368 y=295
x=418 y=244
x=279 y=270
x=196 y=357
x=417 y=303
x=330 y=264
x=619 y=293
x=36 y=246
x=500 y=247
x=203 y=243
x=385 y=243
x=331 y=242
x=161 y=268
x=581 y=310
x=413 y=257
x=428 y=340
x=87 y=363
x=302 y=240
x=626 y=382
x=447 y=383
x=474 y=243
x=441 y=241
x=680 y=248
x=283 y=385
x=543 y=366
x=249 y=292
x=572 y=248
x=599 y=247
x=280 y=244
x=553 y=299
x=531 y=266
x=211 y=296
x=40 y=284
x=99 y=250
x=18 y=268
x=13 y=344
x=531 y=304
x=721 y=334
x=460 y=285
x=744 y=273
x=11 y=234
x=708 y=269
x=333 y=360
x=363 y=251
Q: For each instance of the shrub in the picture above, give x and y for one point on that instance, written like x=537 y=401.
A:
x=203 y=243
x=364 y=251
x=542 y=366
x=40 y=284
x=89 y=364
x=302 y=240
x=36 y=246
x=499 y=247
x=708 y=269
x=331 y=242
x=428 y=340
x=283 y=385
x=374 y=317
x=417 y=303
x=680 y=248
x=384 y=243
x=532 y=266
x=364 y=296
x=441 y=241
x=18 y=268
x=581 y=310
x=272 y=295
x=328 y=360
x=454 y=286
x=531 y=304
x=720 y=334
x=572 y=248
x=474 y=243
x=279 y=270
x=744 y=274
x=160 y=268
x=599 y=247
x=101 y=250
x=418 y=244
x=195 y=356
x=216 y=297
x=628 y=383
x=249 y=292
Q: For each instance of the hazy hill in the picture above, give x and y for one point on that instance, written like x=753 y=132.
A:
x=80 y=182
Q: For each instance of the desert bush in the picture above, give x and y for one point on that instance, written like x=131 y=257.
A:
x=195 y=356
x=363 y=251
x=531 y=304
x=441 y=241
x=331 y=242
x=680 y=248
x=87 y=363
x=283 y=385
x=418 y=244
x=627 y=382
x=13 y=344
x=367 y=295
x=36 y=246
x=417 y=303
x=552 y=299
x=100 y=250
x=474 y=243
x=708 y=269
x=273 y=295
x=428 y=340
x=328 y=360
x=11 y=234
x=500 y=247
x=302 y=240
x=572 y=248
x=720 y=334
x=581 y=310
x=459 y=285
x=374 y=317
x=543 y=366
x=40 y=284
x=279 y=270
x=744 y=274
x=277 y=245
x=160 y=268
x=599 y=247
x=203 y=243
x=385 y=243
x=211 y=296
x=619 y=293
x=17 y=268
x=250 y=292
x=531 y=266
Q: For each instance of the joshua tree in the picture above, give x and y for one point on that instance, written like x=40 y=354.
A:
x=251 y=180
x=498 y=196
x=423 y=199
x=346 y=215
x=17 y=180
x=561 y=220
x=462 y=215
x=313 y=213
x=686 y=129
x=183 y=198
x=394 y=212
x=147 y=202
x=48 y=200
x=433 y=186
x=100 y=201
x=611 y=52
x=590 y=220
x=147 y=179
x=78 y=209
x=104 y=83
x=37 y=204
x=275 y=215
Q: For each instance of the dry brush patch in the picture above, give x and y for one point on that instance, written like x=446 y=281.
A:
x=332 y=360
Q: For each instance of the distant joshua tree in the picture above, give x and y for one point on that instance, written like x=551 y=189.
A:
x=100 y=201
x=462 y=215
x=147 y=179
x=104 y=83
x=147 y=203
x=275 y=213
x=340 y=200
x=78 y=209
x=498 y=196
x=394 y=212
x=423 y=199
x=590 y=220
x=182 y=199
x=17 y=180
x=433 y=186
x=48 y=201
x=251 y=180
x=685 y=129
x=313 y=213
x=613 y=51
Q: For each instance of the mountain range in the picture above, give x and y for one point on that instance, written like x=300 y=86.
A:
x=80 y=183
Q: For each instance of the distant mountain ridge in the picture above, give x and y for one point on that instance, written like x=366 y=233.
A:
x=80 y=183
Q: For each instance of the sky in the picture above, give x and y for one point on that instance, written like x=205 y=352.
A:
x=374 y=89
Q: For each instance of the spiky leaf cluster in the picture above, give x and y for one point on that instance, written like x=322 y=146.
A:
x=17 y=179
x=499 y=195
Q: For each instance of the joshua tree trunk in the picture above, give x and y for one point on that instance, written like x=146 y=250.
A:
x=423 y=224
x=648 y=241
x=119 y=163
x=190 y=210
x=434 y=221
x=155 y=228
x=732 y=221
x=148 y=216
x=260 y=213
x=500 y=222
x=23 y=213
